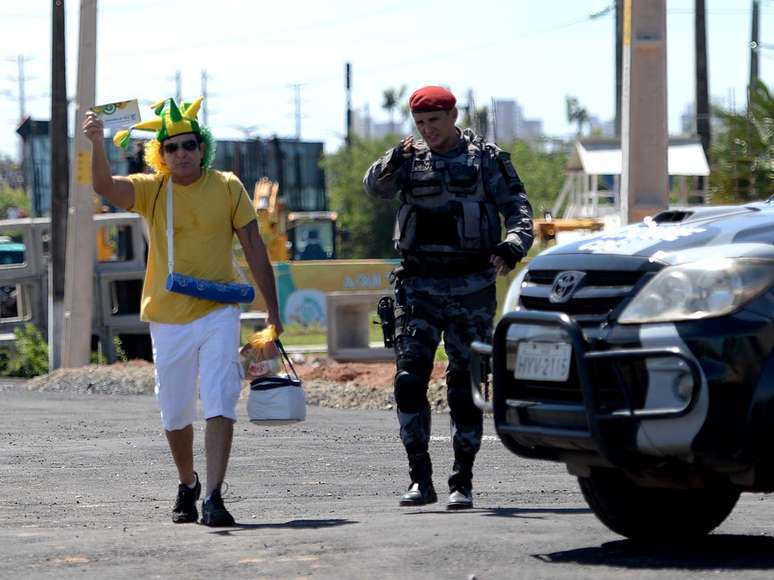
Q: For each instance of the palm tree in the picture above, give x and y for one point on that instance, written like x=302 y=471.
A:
x=743 y=151
x=391 y=101
x=576 y=113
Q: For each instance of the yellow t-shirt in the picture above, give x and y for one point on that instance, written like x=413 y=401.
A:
x=206 y=214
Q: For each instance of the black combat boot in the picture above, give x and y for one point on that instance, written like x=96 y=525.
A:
x=421 y=490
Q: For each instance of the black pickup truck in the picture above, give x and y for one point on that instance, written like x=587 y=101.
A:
x=642 y=359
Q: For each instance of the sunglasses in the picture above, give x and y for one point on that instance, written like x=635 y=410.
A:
x=189 y=145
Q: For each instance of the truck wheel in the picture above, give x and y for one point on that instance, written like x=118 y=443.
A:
x=655 y=513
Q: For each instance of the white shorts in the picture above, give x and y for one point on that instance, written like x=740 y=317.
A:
x=206 y=349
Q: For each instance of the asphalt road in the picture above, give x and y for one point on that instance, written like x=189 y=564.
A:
x=87 y=487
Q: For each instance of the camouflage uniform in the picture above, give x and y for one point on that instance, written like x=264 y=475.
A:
x=446 y=229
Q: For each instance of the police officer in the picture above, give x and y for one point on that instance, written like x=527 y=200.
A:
x=453 y=188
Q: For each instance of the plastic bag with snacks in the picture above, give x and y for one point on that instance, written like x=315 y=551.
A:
x=260 y=356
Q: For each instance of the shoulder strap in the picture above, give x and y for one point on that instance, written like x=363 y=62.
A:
x=170 y=232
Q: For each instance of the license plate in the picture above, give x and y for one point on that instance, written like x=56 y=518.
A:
x=543 y=361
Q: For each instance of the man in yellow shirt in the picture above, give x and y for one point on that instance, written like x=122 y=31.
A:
x=194 y=339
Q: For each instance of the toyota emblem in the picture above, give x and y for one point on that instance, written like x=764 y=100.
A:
x=564 y=286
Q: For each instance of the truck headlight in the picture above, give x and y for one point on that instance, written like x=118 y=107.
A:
x=697 y=290
x=511 y=302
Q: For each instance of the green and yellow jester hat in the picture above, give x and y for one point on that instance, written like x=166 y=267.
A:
x=171 y=120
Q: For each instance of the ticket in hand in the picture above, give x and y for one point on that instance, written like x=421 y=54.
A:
x=117 y=116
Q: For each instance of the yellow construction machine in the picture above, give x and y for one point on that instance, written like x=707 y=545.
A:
x=296 y=235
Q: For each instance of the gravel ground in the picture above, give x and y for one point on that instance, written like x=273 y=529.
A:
x=326 y=382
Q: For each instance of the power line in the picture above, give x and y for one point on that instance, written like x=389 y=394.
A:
x=436 y=56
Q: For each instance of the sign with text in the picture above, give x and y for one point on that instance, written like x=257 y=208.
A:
x=117 y=116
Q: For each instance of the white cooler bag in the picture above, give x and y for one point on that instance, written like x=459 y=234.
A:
x=277 y=399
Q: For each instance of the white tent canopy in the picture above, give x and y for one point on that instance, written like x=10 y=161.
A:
x=604 y=157
x=588 y=190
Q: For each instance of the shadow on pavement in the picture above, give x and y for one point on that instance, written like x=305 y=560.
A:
x=720 y=551
x=518 y=512
x=506 y=512
x=292 y=524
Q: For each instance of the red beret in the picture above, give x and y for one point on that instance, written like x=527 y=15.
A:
x=431 y=99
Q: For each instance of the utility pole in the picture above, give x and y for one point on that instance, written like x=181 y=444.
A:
x=297 y=108
x=21 y=79
x=205 y=107
x=348 y=89
x=754 y=48
x=59 y=186
x=644 y=141
x=472 y=113
x=81 y=246
x=22 y=82
x=618 y=64
x=178 y=86
x=703 y=127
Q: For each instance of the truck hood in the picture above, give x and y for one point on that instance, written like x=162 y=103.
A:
x=733 y=232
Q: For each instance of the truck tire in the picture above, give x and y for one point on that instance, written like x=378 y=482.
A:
x=655 y=514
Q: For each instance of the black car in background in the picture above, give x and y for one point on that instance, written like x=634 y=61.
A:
x=642 y=359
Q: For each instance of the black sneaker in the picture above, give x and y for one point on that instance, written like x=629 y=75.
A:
x=184 y=511
x=214 y=513
x=419 y=494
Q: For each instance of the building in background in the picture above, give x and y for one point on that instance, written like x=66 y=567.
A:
x=36 y=163
x=509 y=123
x=365 y=127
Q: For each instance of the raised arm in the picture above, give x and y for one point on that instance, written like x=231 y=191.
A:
x=117 y=190
x=258 y=259
x=386 y=176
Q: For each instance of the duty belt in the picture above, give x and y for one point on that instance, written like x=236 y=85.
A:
x=416 y=266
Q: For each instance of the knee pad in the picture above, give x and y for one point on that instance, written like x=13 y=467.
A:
x=410 y=392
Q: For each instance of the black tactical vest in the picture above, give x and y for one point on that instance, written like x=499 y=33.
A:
x=445 y=209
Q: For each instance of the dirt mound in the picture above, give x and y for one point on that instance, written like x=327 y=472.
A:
x=132 y=378
x=374 y=374
x=326 y=382
x=360 y=385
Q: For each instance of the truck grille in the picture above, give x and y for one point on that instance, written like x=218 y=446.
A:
x=596 y=296
x=599 y=293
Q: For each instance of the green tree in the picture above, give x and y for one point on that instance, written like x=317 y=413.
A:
x=542 y=172
x=367 y=221
x=10 y=196
x=743 y=151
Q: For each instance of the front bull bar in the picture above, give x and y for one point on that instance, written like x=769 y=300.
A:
x=595 y=416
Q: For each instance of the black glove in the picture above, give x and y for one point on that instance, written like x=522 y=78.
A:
x=509 y=252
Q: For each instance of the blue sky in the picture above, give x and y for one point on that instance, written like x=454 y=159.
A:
x=535 y=51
